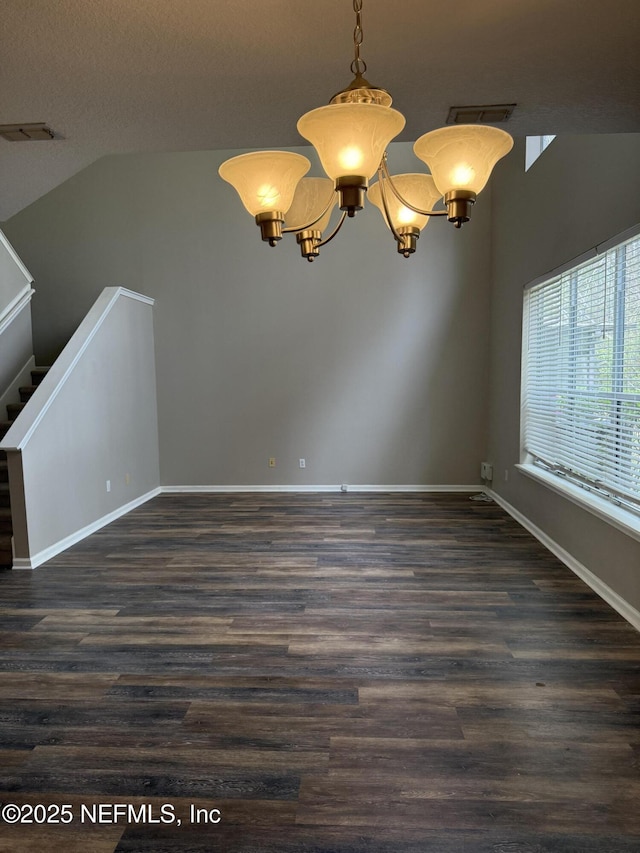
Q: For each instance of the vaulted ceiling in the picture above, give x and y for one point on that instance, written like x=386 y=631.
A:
x=114 y=76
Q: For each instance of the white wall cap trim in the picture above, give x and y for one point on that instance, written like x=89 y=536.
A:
x=618 y=517
x=626 y=610
x=600 y=249
x=139 y=297
x=15 y=257
x=20 y=301
x=20 y=433
x=303 y=489
x=58 y=547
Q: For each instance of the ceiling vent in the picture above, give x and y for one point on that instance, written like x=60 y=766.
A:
x=484 y=114
x=26 y=132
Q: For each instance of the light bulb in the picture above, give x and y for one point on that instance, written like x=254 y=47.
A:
x=351 y=158
x=405 y=216
x=462 y=175
x=268 y=197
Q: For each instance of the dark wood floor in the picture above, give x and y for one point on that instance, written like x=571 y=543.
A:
x=334 y=673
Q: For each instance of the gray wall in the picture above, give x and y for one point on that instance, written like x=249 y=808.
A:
x=372 y=367
x=581 y=192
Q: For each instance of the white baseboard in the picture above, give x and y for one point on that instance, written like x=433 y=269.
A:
x=626 y=610
x=345 y=487
x=36 y=560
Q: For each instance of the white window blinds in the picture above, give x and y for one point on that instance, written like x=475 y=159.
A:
x=581 y=374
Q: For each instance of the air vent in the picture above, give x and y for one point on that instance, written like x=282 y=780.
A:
x=26 y=132
x=485 y=114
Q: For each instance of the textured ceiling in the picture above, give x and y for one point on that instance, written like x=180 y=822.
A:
x=146 y=75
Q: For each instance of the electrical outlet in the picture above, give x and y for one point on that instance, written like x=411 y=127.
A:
x=303 y=463
x=127 y=479
x=108 y=485
x=272 y=462
x=486 y=471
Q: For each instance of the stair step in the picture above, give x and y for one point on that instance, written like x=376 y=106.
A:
x=38 y=374
x=27 y=392
x=4 y=494
x=6 y=554
x=14 y=409
x=5 y=426
x=6 y=528
x=4 y=471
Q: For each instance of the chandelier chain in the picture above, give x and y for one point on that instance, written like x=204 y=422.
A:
x=358 y=66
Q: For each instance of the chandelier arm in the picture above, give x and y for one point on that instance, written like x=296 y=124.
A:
x=311 y=224
x=394 y=189
x=383 y=195
x=335 y=230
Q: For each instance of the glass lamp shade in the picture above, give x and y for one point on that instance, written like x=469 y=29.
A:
x=418 y=189
x=462 y=157
x=265 y=180
x=311 y=197
x=350 y=138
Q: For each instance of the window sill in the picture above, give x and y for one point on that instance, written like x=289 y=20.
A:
x=620 y=518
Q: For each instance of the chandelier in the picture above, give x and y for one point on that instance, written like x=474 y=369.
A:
x=350 y=136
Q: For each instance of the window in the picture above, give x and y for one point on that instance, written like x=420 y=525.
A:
x=581 y=376
x=535 y=145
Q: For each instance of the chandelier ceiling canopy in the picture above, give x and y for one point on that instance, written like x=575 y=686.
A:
x=350 y=136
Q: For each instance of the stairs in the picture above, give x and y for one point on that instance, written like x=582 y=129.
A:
x=13 y=410
x=5 y=516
